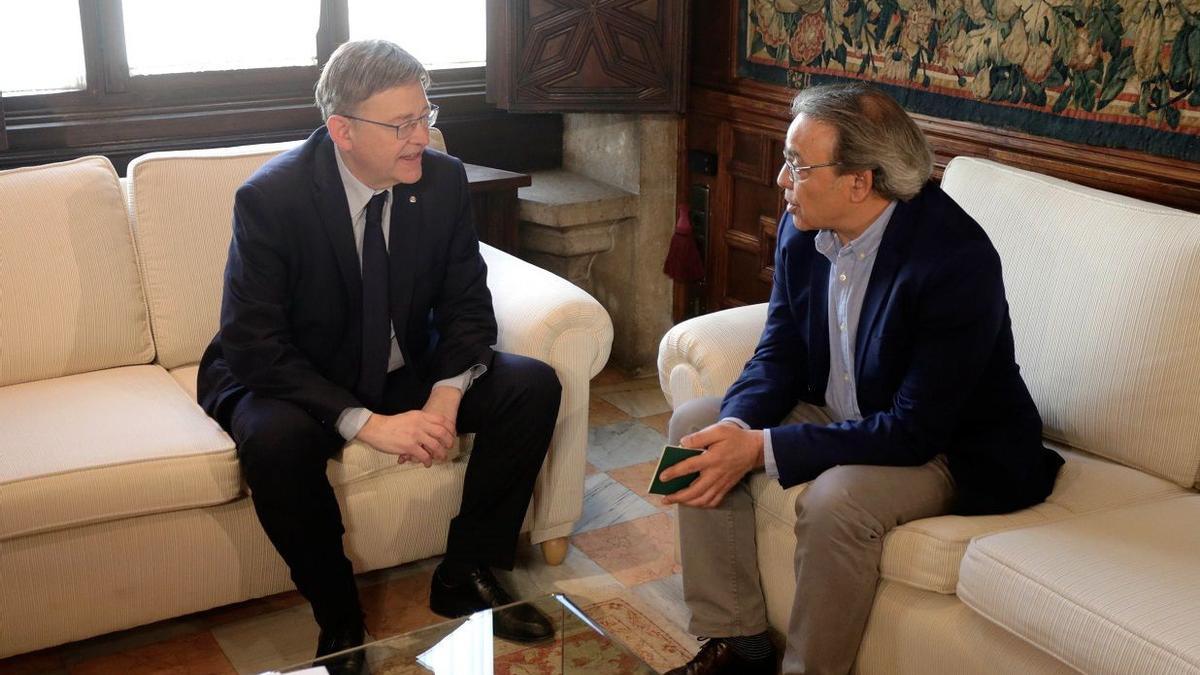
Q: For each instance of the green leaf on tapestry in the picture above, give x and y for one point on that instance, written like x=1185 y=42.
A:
x=757 y=45
x=1017 y=92
x=1085 y=95
x=1000 y=89
x=1194 y=99
x=840 y=55
x=846 y=35
x=1193 y=49
x=925 y=81
x=1171 y=115
x=862 y=67
x=885 y=19
x=1055 y=77
x=1180 y=64
x=1035 y=94
x=912 y=70
x=962 y=81
x=1063 y=99
x=1111 y=90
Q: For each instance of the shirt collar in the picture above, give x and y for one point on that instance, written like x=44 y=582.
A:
x=358 y=193
x=867 y=243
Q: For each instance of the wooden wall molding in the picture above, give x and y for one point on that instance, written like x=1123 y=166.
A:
x=1158 y=179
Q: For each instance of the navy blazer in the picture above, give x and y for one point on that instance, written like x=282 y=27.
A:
x=291 y=311
x=933 y=363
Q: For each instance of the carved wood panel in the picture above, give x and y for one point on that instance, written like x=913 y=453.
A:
x=587 y=55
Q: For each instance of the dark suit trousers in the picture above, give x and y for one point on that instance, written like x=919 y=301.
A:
x=283 y=452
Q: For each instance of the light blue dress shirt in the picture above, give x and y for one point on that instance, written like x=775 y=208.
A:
x=351 y=421
x=849 y=272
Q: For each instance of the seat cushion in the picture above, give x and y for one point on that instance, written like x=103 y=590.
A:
x=70 y=297
x=1102 y=291
x=926 y=553
x=105 y=445
x=357 y=461
x=1110 y=592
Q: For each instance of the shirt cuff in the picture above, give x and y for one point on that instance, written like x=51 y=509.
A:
x=464 y=380
x=768 y=451
x=351 y=421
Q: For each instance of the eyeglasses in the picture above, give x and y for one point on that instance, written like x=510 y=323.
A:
x=794 y=171
x=405 y=129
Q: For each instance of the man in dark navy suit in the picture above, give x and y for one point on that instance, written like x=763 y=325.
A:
x=356 y=306
x=888 y=325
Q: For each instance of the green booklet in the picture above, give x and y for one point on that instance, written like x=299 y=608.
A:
x=672 y=455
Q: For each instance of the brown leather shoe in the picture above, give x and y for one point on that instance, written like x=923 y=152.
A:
x=717 y=657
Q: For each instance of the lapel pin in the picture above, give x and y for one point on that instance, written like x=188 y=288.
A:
x=412 y=199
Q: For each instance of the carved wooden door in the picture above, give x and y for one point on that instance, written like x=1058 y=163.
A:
x=587 y=55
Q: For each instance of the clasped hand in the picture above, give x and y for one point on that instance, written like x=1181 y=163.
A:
x=423 y=435
x=730 y=453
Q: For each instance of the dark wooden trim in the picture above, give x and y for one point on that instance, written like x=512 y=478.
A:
x=1158 y=179
x=3 y=133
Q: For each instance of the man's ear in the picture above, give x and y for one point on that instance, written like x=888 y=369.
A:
x=339 y=132
x=862 y=183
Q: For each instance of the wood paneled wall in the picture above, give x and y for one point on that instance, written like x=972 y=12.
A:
x=743 y=123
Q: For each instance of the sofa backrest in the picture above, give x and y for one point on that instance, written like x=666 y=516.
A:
x=70 y=298
x=1104 y=293
x=181 y=208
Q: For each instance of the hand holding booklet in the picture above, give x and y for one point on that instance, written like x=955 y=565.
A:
x=672 y=455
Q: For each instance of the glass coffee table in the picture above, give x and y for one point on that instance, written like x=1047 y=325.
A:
x=466 y=646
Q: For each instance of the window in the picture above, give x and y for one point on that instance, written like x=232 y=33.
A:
x=446 y=34
x=174 y=37
x=41 y=48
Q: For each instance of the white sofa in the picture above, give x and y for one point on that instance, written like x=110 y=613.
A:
x=1104 y=577
x=121 y=503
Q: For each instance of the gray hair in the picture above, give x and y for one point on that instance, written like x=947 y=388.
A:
x=358 y=70
x=873 y=132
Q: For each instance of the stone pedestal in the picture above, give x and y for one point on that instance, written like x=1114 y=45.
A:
x=568 y=219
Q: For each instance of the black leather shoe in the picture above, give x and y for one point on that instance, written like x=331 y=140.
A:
x=455 y=595
x=340 y=639
x=717 y=657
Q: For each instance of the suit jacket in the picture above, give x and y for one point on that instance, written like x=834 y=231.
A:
x=933 y=363
x=291 y=311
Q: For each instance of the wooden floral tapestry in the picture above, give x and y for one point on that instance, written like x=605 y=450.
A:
x=1115 y=73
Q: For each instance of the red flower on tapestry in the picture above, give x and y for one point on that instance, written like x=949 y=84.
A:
x=808 y=38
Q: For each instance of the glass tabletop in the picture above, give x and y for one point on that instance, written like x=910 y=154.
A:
x=466 y=646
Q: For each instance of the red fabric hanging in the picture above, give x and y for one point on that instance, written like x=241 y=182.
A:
x=683 y=263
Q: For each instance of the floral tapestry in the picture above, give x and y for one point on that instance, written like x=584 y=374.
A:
x=1115 y=73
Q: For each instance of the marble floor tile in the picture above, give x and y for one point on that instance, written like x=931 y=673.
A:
x=607 y=502
x=637 y=477
x=602 y=413
x=398 y=605
x=577 y=577
x=386 y=574
x=638 y=402
x=657 y=422
x=132 y=639
x=634 y=551
x=627 y=384
x=193 y=654
x=665 y=595
x=589 y=469
x=611 y=375
x=250 y=608
x=622 y=444
x=269 y=641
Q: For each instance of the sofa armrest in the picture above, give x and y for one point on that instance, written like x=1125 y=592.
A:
x=543 y=316
x=704 y=355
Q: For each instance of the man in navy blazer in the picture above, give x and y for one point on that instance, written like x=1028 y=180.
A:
x=356 y=306
x=888 y=327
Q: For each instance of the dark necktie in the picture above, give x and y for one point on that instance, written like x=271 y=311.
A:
x=377 y=334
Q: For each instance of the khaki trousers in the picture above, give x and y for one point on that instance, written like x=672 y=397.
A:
x=841 y=518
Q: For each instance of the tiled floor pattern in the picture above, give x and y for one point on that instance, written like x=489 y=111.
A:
x=623 y=547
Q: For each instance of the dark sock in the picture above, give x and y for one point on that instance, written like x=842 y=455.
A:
x=752 y=647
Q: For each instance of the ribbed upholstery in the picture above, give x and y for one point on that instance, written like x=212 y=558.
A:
x=1112 y=592
x=72 y=584
x=70 y=299
x=1102 y=291
x=104 y=445
x=913 y=632
x=703 y=356
x=548 y=318
x=182 y=212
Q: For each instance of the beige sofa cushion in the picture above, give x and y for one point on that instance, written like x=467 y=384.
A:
x=106 y=445
x=357 y=461
x=70 y=298
x=926 y=553
x=1111 y=592
x=1102 y=290
x=182 y=211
